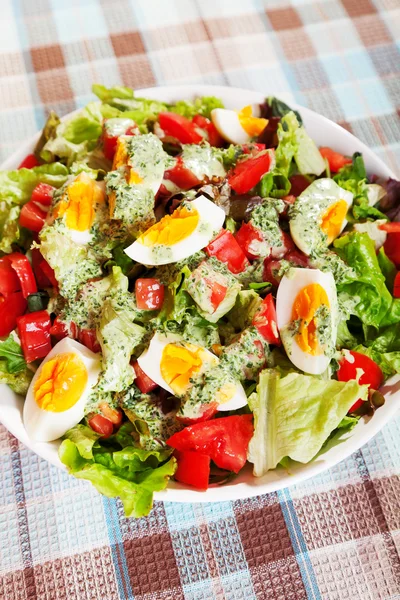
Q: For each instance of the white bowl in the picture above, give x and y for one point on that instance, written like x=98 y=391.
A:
x=325 y=133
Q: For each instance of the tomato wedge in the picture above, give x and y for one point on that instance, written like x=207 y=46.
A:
x=193 y=469
x=266 y=322
x=101 y=425
x=396 y=287
x=181 y=176
x=59 y=330
x=213 y=135
x=227 y=250
x=224 y=440
x=197 y=414
x=179 y=127
x=12 y=306
x=144 y=383
x=43 y=272
x=43 y=194
x=372 y=373
x=22 y=267
x=390 y=227
x=9 y=281
x=248 y=172
x=335 y=160
x=392 y=247
x=88 y=338
x=218 y=292
x=149 y=294
x=34 y=333
x=32 y=217
x=247 y=237
x=29 y=162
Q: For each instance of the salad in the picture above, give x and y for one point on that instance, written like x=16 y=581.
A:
x=185 y=289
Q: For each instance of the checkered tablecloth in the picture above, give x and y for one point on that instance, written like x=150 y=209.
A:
x=334 y=537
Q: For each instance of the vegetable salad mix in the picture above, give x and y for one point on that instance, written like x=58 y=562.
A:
x=186 y=288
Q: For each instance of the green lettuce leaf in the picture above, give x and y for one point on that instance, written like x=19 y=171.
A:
x=16 y=186
x=18 y=382
x=12 y=354
x=202 y=105
x=308 y=158
x=246 y=305
x=294 y=415
x=132 y=474
x=84 y=439
x=10 y=231
x=387 y=267
x=75 y=137
x=370 y=297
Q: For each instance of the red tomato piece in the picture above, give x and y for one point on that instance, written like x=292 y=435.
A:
x=298 y=258
x=101 y=425
x=247 y=238
x=29 y=162
x=248 y=172
x=287 y=246
x=335 y=160
x=372 y=373
x=271 y=270
x=181 y=176
x=179 y=127
x=111 y=134
x=9 y=281
x=392 y=247
x=11 y=307
x=198 y=414
x=224 y=440
x=214 y=138
x=390 y=227
x=298 y=184
x=44 y=274
x=22 y=267
x=218 y=292
x=88 y=338
x=59 y=330
x=34 y=333
x=32 y=216
x=193 y=469
x=43 y=194
x=265 y=321
x=144 y=383
x=149 y=294
x=396 y=287
x=227 y=250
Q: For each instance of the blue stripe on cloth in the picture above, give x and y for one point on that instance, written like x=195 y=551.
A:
x=117 y=549
x=299 y=545
x=21 y=30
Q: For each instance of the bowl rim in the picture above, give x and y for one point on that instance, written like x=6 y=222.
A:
x=277 y=479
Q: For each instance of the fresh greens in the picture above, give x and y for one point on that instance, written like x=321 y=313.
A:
x=294 y=415
x=131 y=473
x=12 y=354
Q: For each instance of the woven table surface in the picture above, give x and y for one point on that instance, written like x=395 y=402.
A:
x=334 y=537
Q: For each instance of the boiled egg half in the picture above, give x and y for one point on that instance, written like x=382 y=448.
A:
x=306 y=309
x=318 y=215
x=189 y=229
x=80 y=206
x=57 y=395
x=238 y=127
x=172 y=363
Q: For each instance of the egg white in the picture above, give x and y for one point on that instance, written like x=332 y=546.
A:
x=45 y=426
x=290 y=286
x=307 y=211
x=210 y=222
x=150 y=362
x=229 y=126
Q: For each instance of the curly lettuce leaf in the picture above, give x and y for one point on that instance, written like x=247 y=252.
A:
x=71 y=140
x=16 y=186
x=294 y=415
x=200 y=106
x=84 y=439
x=132 y=474
x=370 y=297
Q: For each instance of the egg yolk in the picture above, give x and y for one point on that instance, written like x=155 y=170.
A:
x=305 y=306
x=121 y=160
x=61 y=382
x=252 y=125
x=179 y=364
x=332 y=219
x=79 y=203
x=172 y=228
